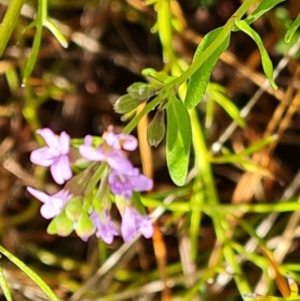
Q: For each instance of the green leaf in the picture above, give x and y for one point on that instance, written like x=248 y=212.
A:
x=292 y=29
x=56 y=32
x=231 y=109
x=199 y=80
x=266 y=62
x=137 y=203
x=179 y=136
x=4 y=286
x=34 y=52
x=31 y=274
x=160 y=76
x=263 y=7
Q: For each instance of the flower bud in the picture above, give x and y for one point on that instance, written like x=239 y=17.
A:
x=61 y=225
x=85 y=227
x=141 y=91
x=73 y=208
x=156 y=129
x=126 y=104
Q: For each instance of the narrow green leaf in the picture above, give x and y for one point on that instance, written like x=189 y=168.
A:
x=136 y=200
x=263 y=7
x=34 y=52
x=178 y=141
x=199 y=80
x=231 y=109
x=4 y=286
x=294 y=26
x=266 y=62
x=31 y=274
x=196 y=203
x=56 y=32
x=160 y=76
x=9 y=22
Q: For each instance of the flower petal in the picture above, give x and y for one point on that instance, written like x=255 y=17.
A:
x=104 y=229
x=128 y=226
x=64 y=142
x=42 y=156
x=129 y=142
x=41 y=196
x=47 y=211
x=117 y=161
x=90 y=153
x=141 y=183
x=49 y=137
x=61 y=170
x=146 y=228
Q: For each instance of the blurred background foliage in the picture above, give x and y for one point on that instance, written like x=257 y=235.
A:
x=74 y=88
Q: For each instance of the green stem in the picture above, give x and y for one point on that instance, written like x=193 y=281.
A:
x=42 y=12
x=9 y=23
x=95 y=179
x=221 y=224
x=30 y=273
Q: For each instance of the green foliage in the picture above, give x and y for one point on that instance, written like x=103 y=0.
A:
x=218 y=93
x=31 y=274
x=266 y=61
x=261 y=9
x=199 y=80
x=4 y=286
x=294 y=26
x=178 y=140
x=176 y=90
x=41 y=21
x=9 y=23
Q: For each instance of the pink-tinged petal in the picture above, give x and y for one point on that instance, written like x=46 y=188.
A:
x=41 y=196
x=129 y=142
x=65 y=167
x=146 y=228
x=120 y=184
x=47 y=211
x=90 y=153
x=141 y=183
x=132 y=222
x=60 y=170
x=88 y=140
x=117 y=161
x=112 y=139
x=64 y=142
x=49 y=137
x=42 y=156
x=105 y=229
x=128 y=227
x=53 y=204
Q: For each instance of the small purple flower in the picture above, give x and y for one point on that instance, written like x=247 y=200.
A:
x=119 y=141
x=132 y=222
x=55 y=155
x=105 y=228
x=123 y=183
x=53 y=204
x=115 y=158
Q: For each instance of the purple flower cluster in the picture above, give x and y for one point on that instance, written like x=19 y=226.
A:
x=121 y=176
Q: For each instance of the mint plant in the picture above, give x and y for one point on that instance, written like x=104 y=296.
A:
x=95 y=175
